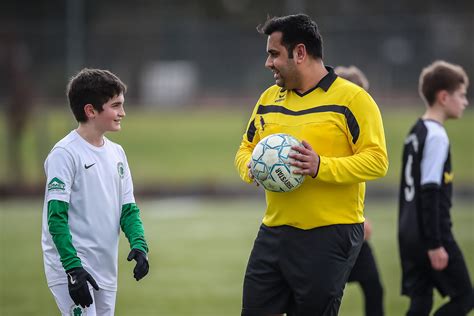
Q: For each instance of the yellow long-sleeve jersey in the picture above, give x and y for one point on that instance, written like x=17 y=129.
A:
x=344 y=126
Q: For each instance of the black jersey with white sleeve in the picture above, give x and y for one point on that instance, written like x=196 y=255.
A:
x=425 y=188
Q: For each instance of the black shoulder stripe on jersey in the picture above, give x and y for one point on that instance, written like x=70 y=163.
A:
x=350 y=118
x=251 y=131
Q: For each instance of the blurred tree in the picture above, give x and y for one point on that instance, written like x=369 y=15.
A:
x=15 y=61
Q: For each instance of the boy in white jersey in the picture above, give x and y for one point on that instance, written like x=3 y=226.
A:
x=88 y=198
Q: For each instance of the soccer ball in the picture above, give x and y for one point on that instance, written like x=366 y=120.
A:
x=270 y=163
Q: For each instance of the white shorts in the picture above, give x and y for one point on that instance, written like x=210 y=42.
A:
x=103 y=302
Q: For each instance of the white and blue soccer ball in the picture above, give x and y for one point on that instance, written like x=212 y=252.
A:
x=270 y=163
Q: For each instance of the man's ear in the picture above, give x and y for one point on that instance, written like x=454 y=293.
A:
x=89 y=111
x=299 y=53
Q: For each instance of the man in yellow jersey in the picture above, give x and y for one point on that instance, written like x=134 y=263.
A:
x=310 y=237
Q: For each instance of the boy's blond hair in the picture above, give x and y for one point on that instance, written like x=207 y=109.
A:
x=353 y=74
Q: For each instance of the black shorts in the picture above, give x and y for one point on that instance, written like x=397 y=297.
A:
x=419 y=278
x=300 y=271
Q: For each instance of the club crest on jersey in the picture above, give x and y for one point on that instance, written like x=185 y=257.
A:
x=56 y=185
x=77 y=310
x=448 y=177
x=120 y=169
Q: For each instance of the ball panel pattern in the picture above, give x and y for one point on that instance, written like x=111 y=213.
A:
x=271 y=163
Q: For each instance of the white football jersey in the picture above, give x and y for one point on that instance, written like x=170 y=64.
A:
x=96 y=182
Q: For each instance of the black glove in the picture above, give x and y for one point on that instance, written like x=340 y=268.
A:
x=141 y=268
x=77 y=279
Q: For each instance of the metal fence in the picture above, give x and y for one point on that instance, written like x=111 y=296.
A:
x=187 y=52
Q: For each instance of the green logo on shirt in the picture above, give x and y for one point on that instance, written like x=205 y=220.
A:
x=120 y=169
x=77 y=311
x=56 y=185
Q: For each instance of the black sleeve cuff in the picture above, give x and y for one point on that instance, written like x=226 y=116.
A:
x=430 y=215
x=317 y=170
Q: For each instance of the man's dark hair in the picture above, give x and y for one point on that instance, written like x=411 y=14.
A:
x=92 y=86
x=440 y=75
x=296 y=29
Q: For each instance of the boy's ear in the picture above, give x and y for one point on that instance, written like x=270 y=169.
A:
x=441 y=96
x=89 y=111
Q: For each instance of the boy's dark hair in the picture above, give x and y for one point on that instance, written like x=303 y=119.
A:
x=92 y=86
x=353 y=74
x=296 y=29
x=440 y=75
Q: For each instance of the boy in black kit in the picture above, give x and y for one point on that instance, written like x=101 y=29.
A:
x=430 y=256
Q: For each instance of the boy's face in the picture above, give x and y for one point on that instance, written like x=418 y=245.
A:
x=109 y=119
x=456 y=102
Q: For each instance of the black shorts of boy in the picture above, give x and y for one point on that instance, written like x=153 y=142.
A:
x=365 y=273
x=365 y=267
x=419 y=278
x=300 y=272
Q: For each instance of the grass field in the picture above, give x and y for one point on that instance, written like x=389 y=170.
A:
x=199 y=250
x=197 y=146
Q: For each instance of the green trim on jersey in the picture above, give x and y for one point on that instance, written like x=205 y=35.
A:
x=132 y=226
x=59 y=230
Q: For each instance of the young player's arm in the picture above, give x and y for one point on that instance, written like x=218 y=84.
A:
x=430 y=218
x=369 y=160
x=244 y=153
x=59 y=169
x=132 y=226
x=59 y=230
x=435 y=153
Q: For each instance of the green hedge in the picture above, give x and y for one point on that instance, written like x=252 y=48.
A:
x=196 y=146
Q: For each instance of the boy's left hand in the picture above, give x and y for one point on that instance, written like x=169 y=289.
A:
x=439 y=258
x=141 y=268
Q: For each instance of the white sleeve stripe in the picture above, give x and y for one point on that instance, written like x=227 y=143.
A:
x=435 y=154
x=57 y=197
